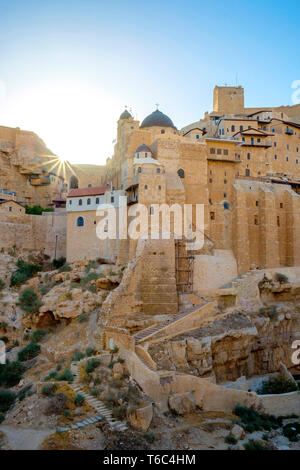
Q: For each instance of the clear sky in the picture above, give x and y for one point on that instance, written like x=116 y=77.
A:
x=68 y=68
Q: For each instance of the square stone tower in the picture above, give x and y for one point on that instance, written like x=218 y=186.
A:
x=228 y=100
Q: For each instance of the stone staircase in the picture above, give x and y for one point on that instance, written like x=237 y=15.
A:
x=98 y=405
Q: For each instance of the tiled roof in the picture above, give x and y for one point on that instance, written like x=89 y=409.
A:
x=92 y=191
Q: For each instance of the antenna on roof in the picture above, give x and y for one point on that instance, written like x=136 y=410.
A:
x=156 y=104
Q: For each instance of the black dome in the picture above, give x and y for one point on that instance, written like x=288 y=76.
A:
x=125 y=115
x=143 y=148
x=157 y=118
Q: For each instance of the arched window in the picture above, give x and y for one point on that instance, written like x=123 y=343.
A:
x=180 y=173
x=157 y=170
x=88 y=201
x=97 y=200
x=80 y=222
x=80 y=202
x=226 y=205
x=139 y=169
x=73 y=182
x=162 y=131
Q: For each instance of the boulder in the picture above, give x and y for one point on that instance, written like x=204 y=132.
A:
x=237 y=432
x=141 y=417
x=182 y=403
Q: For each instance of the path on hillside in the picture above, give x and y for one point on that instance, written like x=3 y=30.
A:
x=25 y=439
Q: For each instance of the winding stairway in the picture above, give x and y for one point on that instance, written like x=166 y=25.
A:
x=98 y=405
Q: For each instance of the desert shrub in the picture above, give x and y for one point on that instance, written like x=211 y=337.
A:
x=2 y=417
x=52 y=375
x=29 y=352
x=59 y=262
x=67 y=414
x=254 y=421
x=97 y=380
x=38 y=335
x=65 y=267
x=77 y=356
x=57 y=404
x=7 y=399
x=85 y=281
x=2 y=284
x=47 y=287
x=29 y=301
x=11 y=373
x=254 y=445
x=69 y=295
x=120 y=360
x=276 y=385
x=91 y=265
x=37 y=210
x=49 y=390
x=292 y=431
x=114 y=350
x=229 y=439
x=91 y=365
x=78 y=399
x=111 y=400
x=112 y=363
x=3 y=325
x=4 y=339
x=272 y=312
x=282 y=278
x=95 y=392
x=66 y=375
x=83 y=317
x=150 y=436
x=92 y=288
x=119 y=412
x=90 y=351
x=26 y=337
x=24 y=271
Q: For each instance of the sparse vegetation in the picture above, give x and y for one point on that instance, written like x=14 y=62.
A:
x=24 y=271
x=150 y=436
x=47 y=287
x=37 y=210
x=78 y=399
x=254 y=445
x=11 y=373
x=49 y=390
x=38 y=335
x=276 y=385
x=281 y=278
x=91 y=365
x=29 y=352
x=29 y=301
x=254 y=421
x=292 y=431
x=65 y=267
x=119 y=412
x=83 y=317
x=229 y=439
x=59 y=262
x=90 y=352
x=7 y=399
x=66 y=375
x=77 y=356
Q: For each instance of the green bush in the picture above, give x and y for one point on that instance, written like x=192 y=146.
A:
x=91 y=265
x=37 y=210
x=7 y=399
x=77 y=356
x=66 y=375
x=150 y=436
x=229 y=439
x=277 y=385
x=282 y=278
x=2 y=284
x=67 y=414
x=95 y=392
x=49 y=390
x=78 y=399
x=59 y=262
x=65 y=267
x=29 y=352
x=97 y=380
x=254 y=445
x=52 y=375
x=90 y=351
x=91 y=365
x=47 y=287
x=83 y=317
x=24 y=271
x=292 y=431
x=254 y=421
x=11 y=373
x=38 y=335
x=29 y=301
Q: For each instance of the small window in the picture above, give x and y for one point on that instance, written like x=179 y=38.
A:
x=157 y=170
x=248 y=156
x=89 y=185
x=225 y=152
x=162 y=131
x=226 y=205
x=278 y=221
x=256 y=203
x=241 y=128
x=80 y=222
x=225 y=195
x=275 y=157
x=97 y=200
x=197 y=136
x=10 y=209
x=212 y=216
x=297 y=161
x=232 y=128
x=159 y=187
x=281 y=205
x=247 y=173
x=151 y=210
x=139 y=169
x=212 y=151
x=256 y=220
x=287 y=159
x=112 y=199
x=146 y=186
x=88 y=201
x=225 y=181
x=219 y=151
x=210 y=201
x=70 y=202
x=80 y=202
x=210 y=180
x=180 y=173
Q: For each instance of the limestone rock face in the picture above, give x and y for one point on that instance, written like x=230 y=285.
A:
x=182 y=403
x=141 y=418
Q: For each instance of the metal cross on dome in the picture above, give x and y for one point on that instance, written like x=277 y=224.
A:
x=157 y=104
